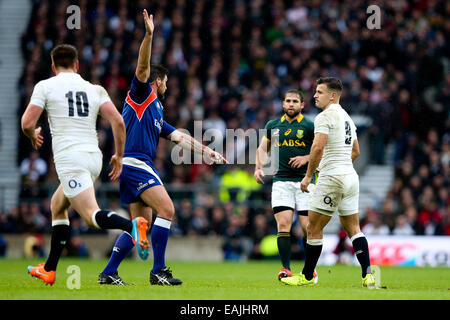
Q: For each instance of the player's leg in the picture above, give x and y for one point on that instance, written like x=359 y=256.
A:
x=349 y=217
x=283 y=216
x=123 y=246
x=303 y=218
x=302 y=206
x=313 y=249
x=59 y=238
x=86 y=205
x=158 y=199
x=140 y=209
x=60 y=228
x=314 y=242
x=77 y=173
x=283 y=204
x=324 y=200
x=350 y=224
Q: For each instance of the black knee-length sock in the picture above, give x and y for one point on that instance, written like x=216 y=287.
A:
x=313 y=249
x=60 y=236
x=284 y=248
x=107 y=219
x=361 y=248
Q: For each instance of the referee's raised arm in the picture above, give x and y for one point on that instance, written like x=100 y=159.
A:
x=145 y=50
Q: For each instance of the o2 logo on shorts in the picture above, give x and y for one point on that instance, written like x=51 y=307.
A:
x=327 y=200
x=73 y=184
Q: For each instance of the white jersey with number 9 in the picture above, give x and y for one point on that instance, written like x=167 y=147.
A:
x=341 y=131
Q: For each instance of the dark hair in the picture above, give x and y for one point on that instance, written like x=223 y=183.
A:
x=157 y=71
x=295 y=91
x=64 y=55
x=331 y=83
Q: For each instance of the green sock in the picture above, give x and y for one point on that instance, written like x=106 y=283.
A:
x=284 y=248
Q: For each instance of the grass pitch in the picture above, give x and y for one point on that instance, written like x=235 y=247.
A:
x=222 y=281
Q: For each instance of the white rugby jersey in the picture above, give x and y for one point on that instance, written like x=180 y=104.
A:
x=341 y=131
x=72 y=105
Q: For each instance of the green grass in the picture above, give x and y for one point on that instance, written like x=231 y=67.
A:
x=223 y=281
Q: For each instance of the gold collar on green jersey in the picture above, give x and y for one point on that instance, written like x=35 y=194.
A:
x=299 y=118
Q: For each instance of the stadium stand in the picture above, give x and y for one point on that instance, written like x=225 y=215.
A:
x=229 y=63
x=11 y=68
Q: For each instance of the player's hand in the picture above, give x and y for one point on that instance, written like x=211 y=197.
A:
x=259 y=174
x=217 y=157
x=116 y=164
x=149 y=26
x=297 y=162
x=305 y=183
x=38 y=140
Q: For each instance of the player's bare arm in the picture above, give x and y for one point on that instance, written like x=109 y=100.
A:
x=189 y=143
x=355 y=150
x=145 y=50
x=298 y=161
x=262 y=154
x=29 y=120
x=320 y=140
x=109 y=112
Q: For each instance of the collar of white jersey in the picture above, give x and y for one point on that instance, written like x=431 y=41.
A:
x=68 y=74
x=334 y=106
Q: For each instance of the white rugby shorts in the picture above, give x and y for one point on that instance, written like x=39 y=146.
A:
x=77 y=171
x=289 y=194
x=337 y=192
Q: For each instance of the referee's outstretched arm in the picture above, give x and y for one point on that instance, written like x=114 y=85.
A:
x=145 y=50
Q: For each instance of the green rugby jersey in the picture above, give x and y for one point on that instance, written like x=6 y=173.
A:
x=292 y=140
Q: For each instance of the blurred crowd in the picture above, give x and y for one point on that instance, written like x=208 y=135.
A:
x=230 y=62
x=419 y=201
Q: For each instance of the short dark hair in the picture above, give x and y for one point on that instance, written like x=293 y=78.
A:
x=331 y=83
x=64 y=55
x=295 y=91
x=157 y=71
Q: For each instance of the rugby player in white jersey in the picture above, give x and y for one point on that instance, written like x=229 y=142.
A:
x=72 y=106
x=333 y=151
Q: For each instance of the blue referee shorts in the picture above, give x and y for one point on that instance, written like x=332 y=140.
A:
x=137 y=176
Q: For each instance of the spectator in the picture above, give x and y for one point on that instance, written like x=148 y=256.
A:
x=343 y=251
x=236 y=184
x=199 y=224
x=218 y=222
x=430 y=219
x=402 y=227
x=259 y=231
x=388 y=214
x=214 y=122
x=446 y=220
x=34 y=246
x=230 y=69
x=76 y=247
x=233 y=246
x=3 y=247
x=374 y=225
x=9 y=222
x=184 y=215
x=33 y=168
x=39 y=221
x=411 y=216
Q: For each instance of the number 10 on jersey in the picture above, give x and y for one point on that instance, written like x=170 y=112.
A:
x=81 y=100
